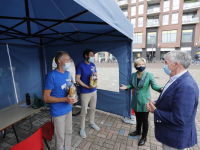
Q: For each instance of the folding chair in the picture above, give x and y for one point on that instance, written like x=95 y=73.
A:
x=34 y=142
x=47 y=132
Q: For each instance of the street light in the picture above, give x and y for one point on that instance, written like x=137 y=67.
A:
x=152 y=52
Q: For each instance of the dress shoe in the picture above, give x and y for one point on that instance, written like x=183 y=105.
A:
x=142 y=141
x=135 y=133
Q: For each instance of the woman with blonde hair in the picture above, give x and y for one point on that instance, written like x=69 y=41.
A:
x=141 y=82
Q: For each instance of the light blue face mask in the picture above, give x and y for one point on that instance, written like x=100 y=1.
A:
x=67 y=66
x=167 y=71
x=91 y=59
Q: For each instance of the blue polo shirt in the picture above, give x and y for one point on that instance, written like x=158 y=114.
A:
x=57 y=82
x=85 y=70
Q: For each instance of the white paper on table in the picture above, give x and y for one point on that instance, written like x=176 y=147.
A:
x=24 y=105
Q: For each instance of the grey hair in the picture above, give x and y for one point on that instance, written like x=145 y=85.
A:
x=59 y=55
x=181 y=57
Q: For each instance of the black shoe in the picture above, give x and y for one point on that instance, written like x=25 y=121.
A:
x=142 y=141
x=135 y=133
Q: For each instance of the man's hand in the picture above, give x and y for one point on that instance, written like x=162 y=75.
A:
x=153 y=102
x=91 y=87
x=95 y=74
x=70 y=100
x=150 y=106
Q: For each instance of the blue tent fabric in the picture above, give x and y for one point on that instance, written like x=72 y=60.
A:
x=7 y=95
x=26 y=73
x=34 y=30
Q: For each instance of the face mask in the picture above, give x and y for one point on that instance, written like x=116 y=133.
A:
x=91 y=59
x=141 y=68
x=67 y=66
x=167 y=71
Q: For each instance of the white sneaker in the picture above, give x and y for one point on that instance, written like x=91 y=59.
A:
x=131 y=120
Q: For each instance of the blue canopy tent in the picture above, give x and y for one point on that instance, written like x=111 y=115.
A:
x=32 y=31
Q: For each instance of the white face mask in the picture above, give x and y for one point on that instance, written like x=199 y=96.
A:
x=91 y=59
x=67 y=66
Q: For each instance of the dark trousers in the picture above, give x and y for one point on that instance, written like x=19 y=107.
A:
x=142 y=120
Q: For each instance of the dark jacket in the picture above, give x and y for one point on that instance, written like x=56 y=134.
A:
x=174 y=117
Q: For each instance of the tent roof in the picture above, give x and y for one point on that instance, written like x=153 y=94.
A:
x=62 y=21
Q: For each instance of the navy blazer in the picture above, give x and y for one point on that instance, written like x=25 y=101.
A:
x=174 y=117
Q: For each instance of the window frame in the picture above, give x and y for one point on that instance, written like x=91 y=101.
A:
x=131 y=10
x=139 y=22
x=152 y=34
x=169 y=32
x=167 y=20
x=135 y=22
x=136 y=37
x=182 y=36
x=174 y=7
x=140 y=10
x=177 y=19
x=168 y=8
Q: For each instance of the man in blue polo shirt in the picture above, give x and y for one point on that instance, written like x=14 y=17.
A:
x=88 y=94
x=60 y=101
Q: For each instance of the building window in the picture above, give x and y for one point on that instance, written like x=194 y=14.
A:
x=169 y=36
x=133 y=21
x=133 y=1
x=137 y=38
x=141 y=9
x=176 y=4
x=175 y=18
x=187 y=35
x=166 y=19
x=151 y=38
x=140 y=22
x=133 y=10
x=166 y=6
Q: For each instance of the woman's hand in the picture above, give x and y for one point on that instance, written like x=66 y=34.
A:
x=123 y=87
x=161 y=89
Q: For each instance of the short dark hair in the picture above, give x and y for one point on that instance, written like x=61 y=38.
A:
x=86 y=52
x=59 y=54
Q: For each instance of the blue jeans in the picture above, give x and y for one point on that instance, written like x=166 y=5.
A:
x=195 y=60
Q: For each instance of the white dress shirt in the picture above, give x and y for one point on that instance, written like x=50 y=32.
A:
x=172 y=80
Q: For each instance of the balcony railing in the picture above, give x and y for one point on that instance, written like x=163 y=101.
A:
x=120 y=3
x=190 y=5
x=190 y=20
x=153 y=22
x=153 y=10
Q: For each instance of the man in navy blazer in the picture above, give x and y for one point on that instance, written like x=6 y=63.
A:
x=175 y=109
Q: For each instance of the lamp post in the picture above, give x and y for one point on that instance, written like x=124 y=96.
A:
x=152 y=52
